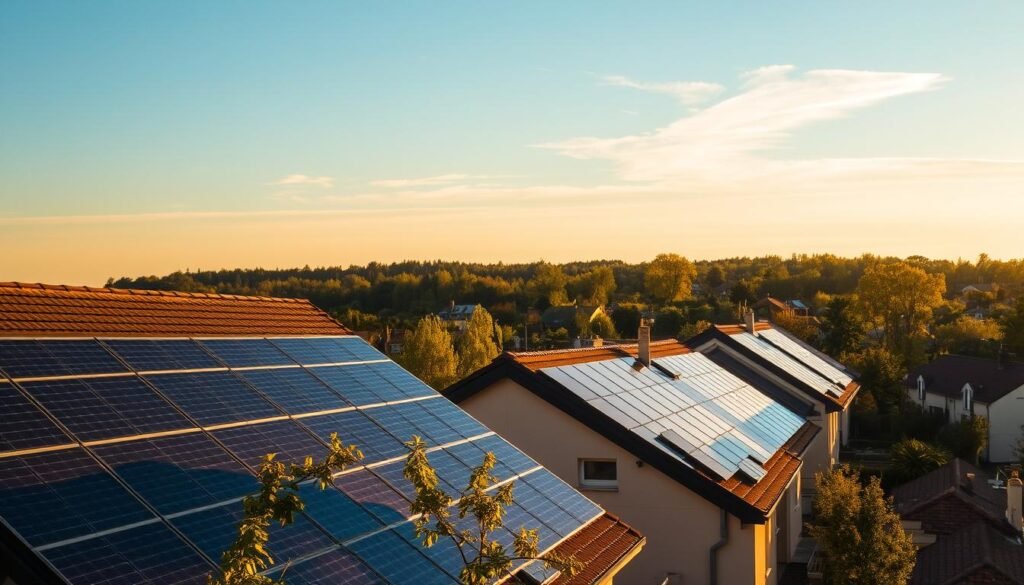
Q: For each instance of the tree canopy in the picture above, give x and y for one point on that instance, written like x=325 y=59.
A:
x=899 y=298
x=669 y=277
x=476 y=345
x=429 y=353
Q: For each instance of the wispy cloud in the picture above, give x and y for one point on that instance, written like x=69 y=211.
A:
x=325 y=182
x=690 y=93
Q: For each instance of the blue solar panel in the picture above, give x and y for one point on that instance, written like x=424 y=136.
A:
x=54 y=496
x=214 y=529
x=144 y=555
x=213 y=397
x=398 y=560
x=453 y=473
x=30 y=358
x=454 y=417
x=337 y=513
x=289 y=441
x=517 y=517
x=391 y=419
x=147 y=355
x=362 y=350
x=104 y=408
x=355 y=428
x=472 y=456
x=295 y=390
x=240 y=353
x=23 y=426
x=551 y=513
x=396 y=379
x=557 y=490
x=506 y=453
x=392 y=473
x=374 y=495
x=356 y=384
x=336 y=566
x=445 y=553
x=180 y=472
x=315 y=350
x=433 y=427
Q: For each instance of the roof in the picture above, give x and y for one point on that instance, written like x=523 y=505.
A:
x=773 y=304
x=947 y=374
x=37 y=310
x=562 y=315
x=744 y=496
x=951 y=480
x=457 y=312
x=604 y=544
x=976 y=554
x=981 y=287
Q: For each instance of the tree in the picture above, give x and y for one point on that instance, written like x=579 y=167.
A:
x=803 y=327
x=842 y=330
x=668 y=322
x=548 y=285
x=881 y=374
x=966 y=438
x=742 y=292
x=476 y=345
x=627 y=319
x=593 y=287
x=484 y=558
x=429 y=354
x=912 y=459
x=669 y=277
x=859 y=532
x=900 y=298
x=969 y=336
x=692 y=329
x=602 y=326
x=714 y=278
x=1013 y=329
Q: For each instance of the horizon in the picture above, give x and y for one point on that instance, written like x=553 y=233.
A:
x=147 y=139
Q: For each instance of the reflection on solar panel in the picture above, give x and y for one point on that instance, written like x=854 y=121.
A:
x=116 y=477
x=805 y=356
x=787 y=363
x=700 y=411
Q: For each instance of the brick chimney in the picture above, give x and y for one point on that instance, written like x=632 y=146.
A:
x=643 y=337
x=750 y=322
x=1014 y=491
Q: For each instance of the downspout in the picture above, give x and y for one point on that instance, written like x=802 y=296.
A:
x=722 y=541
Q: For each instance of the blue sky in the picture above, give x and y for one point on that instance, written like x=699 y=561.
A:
x=142 y=137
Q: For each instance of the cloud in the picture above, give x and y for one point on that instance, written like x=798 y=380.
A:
x=690 y=93
x=434 y=181
x=325 y=182
x=724 y=140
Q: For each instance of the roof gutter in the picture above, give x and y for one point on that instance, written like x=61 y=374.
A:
x=722 y=541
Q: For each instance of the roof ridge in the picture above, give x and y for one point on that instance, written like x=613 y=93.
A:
x=571 y=350
x=145 y=292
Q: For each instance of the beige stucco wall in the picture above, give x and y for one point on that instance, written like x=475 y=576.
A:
x=680 y=525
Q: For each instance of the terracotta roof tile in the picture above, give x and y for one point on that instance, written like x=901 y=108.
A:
x=535 y=360
x=600 y=546
x=38 y=310
x=975 y=554
x=780 y=469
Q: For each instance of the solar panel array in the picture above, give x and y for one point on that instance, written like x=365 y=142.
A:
x=787 y=363
x=125 y=460
x=689 y=407
x=806 y=356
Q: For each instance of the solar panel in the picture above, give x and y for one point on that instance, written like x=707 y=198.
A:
x=788 y=364
x=374 y=495
x=453 y=473
x=337 y=513
x=362 y=350
x=213 y=398
x=454 y=417
x=315 y=350
x=554 y=517
x=240 y=353
x=23 y=426
x=148 y=355
x=335 y=566
x=472 y=456
x=399 y=561
x=445 y=553
x=355 y=384
x=294 y=390
x=57 y=495
x=409 y=386
x=29 y=358
x=806 y=356
x=290 y=442
x=573 y=502
x=179 y=472
x=149 y=554
x=103 y=408
x=355 y=428
x=506 y=453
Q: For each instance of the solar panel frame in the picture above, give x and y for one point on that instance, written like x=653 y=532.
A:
x=290 y=442
x=236 y=352
x=352 y=384
x=313 y=350
x=375 y=496
x=806 y=356
x=398 y=560
x=335 y=566
x=786 y=363
x=354 y=427
x=294 y=390
x=336 y=513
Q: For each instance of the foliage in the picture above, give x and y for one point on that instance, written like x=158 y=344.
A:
x=668 y=322
x=912 y=458
x=547 y=287
x=743 y=292
x=969 y=336
x=714 y=278
x=899 y=298
x=803 y=327
x=627 y=319
x=692 y=329
x=429 y=354
x=842 y=330
x=669 y=277
x=602 y=326
x=593 y=287
x=277 y=501
x=476 y=345
x=484 y=558
x=859 y=532
x=881 y=374
x=967 y=438
x=1013 y=329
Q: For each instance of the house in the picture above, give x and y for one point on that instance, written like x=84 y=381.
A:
x=568 y=316
x=958 y=386
x=793 y=372
x=979 y=289
x=134 y=423
x=457 y=316
x=704 y=464
x=393 y=340
x=974 y=523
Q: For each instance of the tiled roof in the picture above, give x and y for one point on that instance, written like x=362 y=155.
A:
x=975 y=554
x=57 y=310
x=535 y=360
x=952 y=480
x=600 y=546
x=780 y=469
x=948 y=374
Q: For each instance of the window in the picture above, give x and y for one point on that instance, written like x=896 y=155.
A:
x=599 y=474
x=968 y=394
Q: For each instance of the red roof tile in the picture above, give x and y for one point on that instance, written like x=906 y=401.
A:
x=36 y=310
x=600 y=546
x=535 y=360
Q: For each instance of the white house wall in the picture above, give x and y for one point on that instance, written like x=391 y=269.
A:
x=1005 y=419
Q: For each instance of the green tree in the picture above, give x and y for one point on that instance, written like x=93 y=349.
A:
x=593 y=287
x=476 y=346
x=803 y=327
x=547 y=286
x=668 y=278
x=966 y=438
x=881 y=374
x=691 y=329
x=429 y=354
x=627 y=319
x=714 y=278
x=1013 y=329
x=912 y=459
x=602 y=326
x=899 y=298
x=742 y=292
x=969 y=336
x=842 y=330
x=668 y=322
x=859 y=532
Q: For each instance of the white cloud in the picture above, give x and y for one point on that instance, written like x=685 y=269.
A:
x=690 y=93
x=325 y=182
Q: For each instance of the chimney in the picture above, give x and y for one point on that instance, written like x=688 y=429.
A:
x=750 y=321
x=1014 y=493
x=969 y=483
x=644 y=344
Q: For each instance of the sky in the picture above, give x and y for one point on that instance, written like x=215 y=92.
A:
x=146 y=137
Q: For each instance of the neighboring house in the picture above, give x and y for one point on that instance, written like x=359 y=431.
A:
x=959 y=386
x=393 y=340
x=704 y=464
x=133 y=424
x=979 y=288
x=567 y=316
x=457 y=316
x=969 y=524
x=771 y=307
x=810 y=382
x=978 y=313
